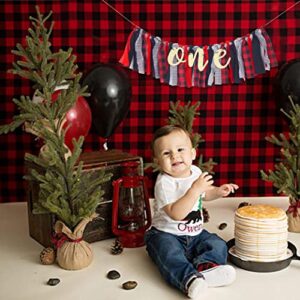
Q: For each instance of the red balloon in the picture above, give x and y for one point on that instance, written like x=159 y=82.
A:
x=79 y=117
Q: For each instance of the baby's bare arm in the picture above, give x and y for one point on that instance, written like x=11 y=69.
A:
x=221 y=191
x=179 y=209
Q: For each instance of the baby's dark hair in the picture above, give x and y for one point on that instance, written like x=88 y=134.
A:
x=166 y=130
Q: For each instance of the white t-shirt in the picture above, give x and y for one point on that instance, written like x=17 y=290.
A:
x=169 y=189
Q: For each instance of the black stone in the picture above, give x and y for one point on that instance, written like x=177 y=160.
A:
x=129 y=285
x=53 y=281
x=222 y=226
x=242 y=204
x=113 y=274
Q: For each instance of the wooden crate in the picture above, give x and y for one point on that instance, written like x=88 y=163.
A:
x=41 y=225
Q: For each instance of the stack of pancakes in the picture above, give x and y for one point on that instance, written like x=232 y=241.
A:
x=261 y=233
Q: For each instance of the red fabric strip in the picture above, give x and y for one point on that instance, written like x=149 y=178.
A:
x=148 y=53
x=188 y=70
x=124 y=60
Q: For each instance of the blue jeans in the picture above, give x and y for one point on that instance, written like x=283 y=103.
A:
x=178 y=257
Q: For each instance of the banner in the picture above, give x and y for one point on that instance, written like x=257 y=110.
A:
x=230 y=62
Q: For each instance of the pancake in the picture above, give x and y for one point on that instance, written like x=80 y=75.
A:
x=261 y=211
x=261 y=233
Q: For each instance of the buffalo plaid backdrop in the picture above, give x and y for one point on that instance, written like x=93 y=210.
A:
x=234 y=119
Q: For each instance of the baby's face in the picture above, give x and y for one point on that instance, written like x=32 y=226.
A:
x=174 y=154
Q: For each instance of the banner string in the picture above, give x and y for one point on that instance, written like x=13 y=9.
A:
x=132 y=23
x=289 y=8
x=135 y=25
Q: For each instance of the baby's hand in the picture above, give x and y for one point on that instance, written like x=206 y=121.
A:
x=225 y=189
x=203 y=183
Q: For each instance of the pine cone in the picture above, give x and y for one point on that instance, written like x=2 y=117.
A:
x=205 y=215
x=116 y=248
x=47 y=256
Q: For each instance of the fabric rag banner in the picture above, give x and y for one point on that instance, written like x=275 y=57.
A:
x=230 y=62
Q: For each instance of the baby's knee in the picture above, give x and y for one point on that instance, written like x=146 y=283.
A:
x=219 y=243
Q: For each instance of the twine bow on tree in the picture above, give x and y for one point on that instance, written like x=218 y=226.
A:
x=64 y=233
x=73 y=252
x=293 y=208
x=58 y=240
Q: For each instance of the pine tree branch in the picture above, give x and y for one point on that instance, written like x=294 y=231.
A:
x=184 y=116
x=65 y=189
x=286 y=176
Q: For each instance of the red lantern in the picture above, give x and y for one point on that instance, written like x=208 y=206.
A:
x=131 y=213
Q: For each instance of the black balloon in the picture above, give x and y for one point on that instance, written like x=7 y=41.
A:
x=109 y=99
x=288 y=84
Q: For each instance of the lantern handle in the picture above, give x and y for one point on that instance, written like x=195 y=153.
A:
x=147 y=202
x=116 y=188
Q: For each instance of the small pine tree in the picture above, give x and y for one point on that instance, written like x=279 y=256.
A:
x=286 y=174
x=184 y=116
x=65 y=189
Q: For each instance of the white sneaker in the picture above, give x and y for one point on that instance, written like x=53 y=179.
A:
x=197 y=287
x=219 y=276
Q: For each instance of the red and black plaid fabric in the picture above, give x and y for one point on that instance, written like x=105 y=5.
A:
x=203 y=74
x=162 y=62
x=225 y=72
x=271 y=54
x=247 y=57
x=234 y=118
x=125 y=59
x=206 y=266
x=181 y=78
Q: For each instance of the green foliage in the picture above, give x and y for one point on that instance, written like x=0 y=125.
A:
x=65 y=189
x=184 y=116
x=286 y=174
x=48 y=71
x=206 y=166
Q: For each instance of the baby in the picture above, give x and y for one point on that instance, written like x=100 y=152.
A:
x=188 y=257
